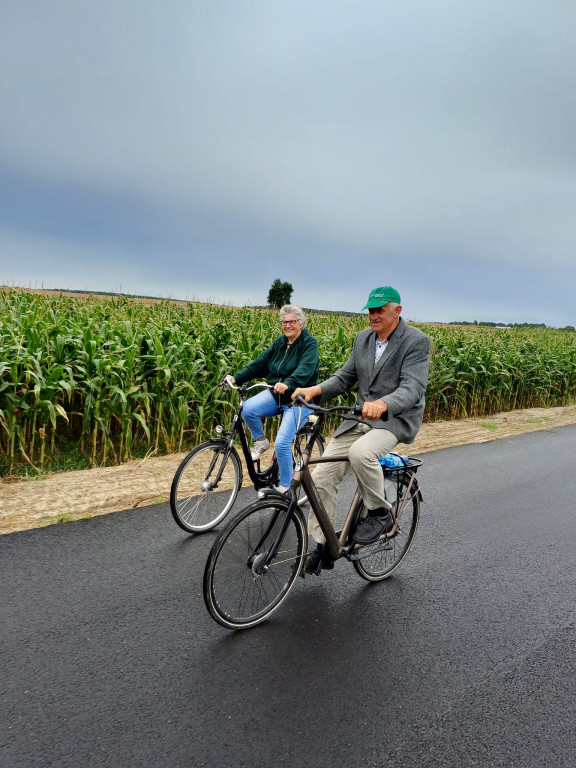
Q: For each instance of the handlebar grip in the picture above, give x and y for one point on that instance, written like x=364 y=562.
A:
x=357 y=411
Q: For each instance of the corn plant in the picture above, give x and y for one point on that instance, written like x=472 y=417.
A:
x=114 y=377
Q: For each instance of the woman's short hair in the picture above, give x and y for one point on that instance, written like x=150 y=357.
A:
x=293 y=309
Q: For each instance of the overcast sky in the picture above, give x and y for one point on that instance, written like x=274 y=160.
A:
x=202 y=149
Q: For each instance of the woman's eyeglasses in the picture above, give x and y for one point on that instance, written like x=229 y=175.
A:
x=289 y=322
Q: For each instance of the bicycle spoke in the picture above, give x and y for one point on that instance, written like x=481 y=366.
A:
x=205 y=486
x=377 y=561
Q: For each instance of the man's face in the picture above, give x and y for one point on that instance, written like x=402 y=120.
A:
x=383 y=320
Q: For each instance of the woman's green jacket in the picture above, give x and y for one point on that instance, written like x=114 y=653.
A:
x=296 y=365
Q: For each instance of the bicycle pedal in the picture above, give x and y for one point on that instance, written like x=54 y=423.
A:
x=360 y=554
x=315 y=562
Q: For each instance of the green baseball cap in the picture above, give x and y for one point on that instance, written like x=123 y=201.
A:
x=379 y=297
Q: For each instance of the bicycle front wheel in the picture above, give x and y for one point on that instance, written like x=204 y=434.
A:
x=380 y=560
x=239 y=594
x=205 y=486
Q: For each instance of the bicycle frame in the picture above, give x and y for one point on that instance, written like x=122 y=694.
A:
x=259 y=479
x=338 y=544
x=242 y=583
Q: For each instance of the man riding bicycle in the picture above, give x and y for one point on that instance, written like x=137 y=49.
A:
x=389 y=362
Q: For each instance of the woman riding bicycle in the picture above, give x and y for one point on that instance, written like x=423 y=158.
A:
x=290 y=362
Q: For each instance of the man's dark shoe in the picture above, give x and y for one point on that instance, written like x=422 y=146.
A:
x=373 y=527
x=318 y=560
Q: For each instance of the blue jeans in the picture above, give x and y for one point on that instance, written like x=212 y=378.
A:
x=264 y=404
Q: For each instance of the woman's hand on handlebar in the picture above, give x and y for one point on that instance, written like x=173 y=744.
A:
x=280 y=387
x=308 y=393
x=229 y=380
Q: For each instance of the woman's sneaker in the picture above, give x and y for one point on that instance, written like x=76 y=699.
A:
x=259 y=447
x=278 y=488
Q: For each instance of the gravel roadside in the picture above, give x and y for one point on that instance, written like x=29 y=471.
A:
x=79 y=494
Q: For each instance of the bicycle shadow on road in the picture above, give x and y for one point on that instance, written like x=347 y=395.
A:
x=321 y=628
x=321 y=664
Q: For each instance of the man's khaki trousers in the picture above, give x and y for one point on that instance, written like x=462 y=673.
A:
x=363 y=447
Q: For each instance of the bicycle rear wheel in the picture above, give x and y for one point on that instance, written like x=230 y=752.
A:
x=236 y=594
x=380 y=560
x=205 y=486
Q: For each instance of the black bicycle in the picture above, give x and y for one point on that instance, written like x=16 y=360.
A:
x=256 y=559
x=208 y=479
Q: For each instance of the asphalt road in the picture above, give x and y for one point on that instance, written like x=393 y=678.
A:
x=466 y=657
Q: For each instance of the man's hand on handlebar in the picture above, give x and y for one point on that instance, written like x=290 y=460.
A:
x=374 y=410
x=308 y=393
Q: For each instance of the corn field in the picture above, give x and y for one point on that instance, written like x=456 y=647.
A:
x=115 y=377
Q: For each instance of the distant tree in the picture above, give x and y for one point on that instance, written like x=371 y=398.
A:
x=279 y=294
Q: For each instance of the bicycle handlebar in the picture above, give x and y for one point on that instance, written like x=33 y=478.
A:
x=353 y=413
x=319 y=409
x=227 y=383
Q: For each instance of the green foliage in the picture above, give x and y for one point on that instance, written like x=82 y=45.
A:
x=479 y=371
x=99 y=381
x=279 y=294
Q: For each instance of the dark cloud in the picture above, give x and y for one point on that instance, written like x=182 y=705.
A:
x=208 y=148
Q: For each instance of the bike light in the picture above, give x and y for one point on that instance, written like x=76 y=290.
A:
x=219 y=429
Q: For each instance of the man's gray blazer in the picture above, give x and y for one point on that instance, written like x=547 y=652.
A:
x=399 y=378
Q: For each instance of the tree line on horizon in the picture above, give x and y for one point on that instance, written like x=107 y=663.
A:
x=489 y=324
x=280 y=293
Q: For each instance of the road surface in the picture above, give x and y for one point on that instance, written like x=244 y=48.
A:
x=466 y=657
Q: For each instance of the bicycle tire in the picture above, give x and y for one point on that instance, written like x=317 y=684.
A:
x=196 y=505
x=237 y=597
x=300 y=440
x=385 y=561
